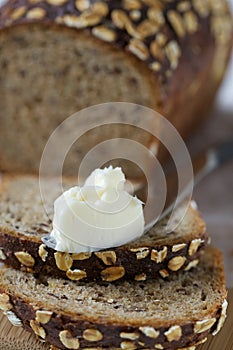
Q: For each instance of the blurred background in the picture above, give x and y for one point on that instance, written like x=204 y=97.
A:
x=214 y=194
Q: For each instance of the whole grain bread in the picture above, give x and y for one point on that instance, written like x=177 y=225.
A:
x=157 y=314
x=23 y=221
x=59 y=56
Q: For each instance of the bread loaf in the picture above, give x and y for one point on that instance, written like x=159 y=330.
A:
x=59 y=56
x=174 y=314
x=23 y=222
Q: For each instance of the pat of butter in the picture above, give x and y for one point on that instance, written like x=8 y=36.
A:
x=98 y=215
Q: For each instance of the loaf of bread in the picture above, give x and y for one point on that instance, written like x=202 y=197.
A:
x=59 y=56
x=23 y=221
x=174 y=314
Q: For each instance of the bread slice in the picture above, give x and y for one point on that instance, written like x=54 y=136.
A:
x=58 y=57
x=158 y=314
x=23 y=221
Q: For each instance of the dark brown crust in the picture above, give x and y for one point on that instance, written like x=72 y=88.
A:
x=111 y=332
x=26 y=311
x=93 y=266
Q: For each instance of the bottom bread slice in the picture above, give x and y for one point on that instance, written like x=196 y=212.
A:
x=157 y=314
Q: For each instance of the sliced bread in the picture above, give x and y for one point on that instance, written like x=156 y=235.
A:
x=23 y=221
x=173 y=314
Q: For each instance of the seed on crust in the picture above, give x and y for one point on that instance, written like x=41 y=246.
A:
x=142 y=344
x=132 y=31
x=184 y=6
x=173 y=333
x=25 y=258
x=159 y=256
x=63 y=261
x=76 y=275
x=130 y=336
x=155 y=14
x=173 y=53
x=56 y=2
x=158 y=346
x=202 y=7
x=139 y=49
x=104 y=33
x=132 y=5
x=100 y=8
x=149 y=332
x=204 y=325
x=111 y=274
x=192 y=264
x=156 y=66
x=135 y=15
x=2 y=255
x=81 y=256
x=82 y=5
x=128 y=345
x=178 y=247
x=14 y=320
x=43 y=252
x=68 y=341
x=147 y=28
x=156 y=50
x=176 y=22
x=18 y=13
x=141 y=277
x=91 y=19
x=82 y=21
x=161 y=39
x=5 y=304
x=36 y=13
x=163 y=273
x=38 y=329
x=43 y=316
x=108 y=258
x=176 y=263
x=52 y=347
x=141 y=253
x=222 y=317
x=92 y=335
x=119 y=18
x=191 y=22
x=194 y=245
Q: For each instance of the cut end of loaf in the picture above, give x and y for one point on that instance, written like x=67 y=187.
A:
x=49 y=74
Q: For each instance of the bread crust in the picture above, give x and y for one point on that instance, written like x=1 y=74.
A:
x=137 y=263
x=174 y=27
x=113 y=333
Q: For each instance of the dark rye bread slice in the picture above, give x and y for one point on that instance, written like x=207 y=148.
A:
x=156 y=314
x=23 y=221
x=59 y=56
